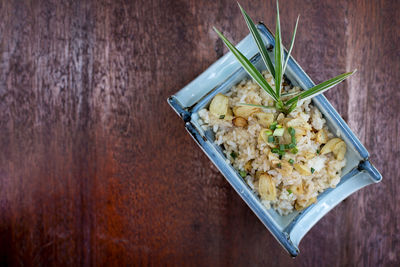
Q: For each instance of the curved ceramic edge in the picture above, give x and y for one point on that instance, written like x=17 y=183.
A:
x=350 y=183
x=373 y=172
x=215 y=74
x=227 y=83
x=242 y=189
x=177 y=107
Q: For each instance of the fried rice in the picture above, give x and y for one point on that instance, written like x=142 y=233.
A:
x=285 y=181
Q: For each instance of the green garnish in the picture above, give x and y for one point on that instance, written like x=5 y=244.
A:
x=273 y=125
x=292 y=145
x=233 y=155
x=286 y=146
x=243 y=174
x=294 y=140
x=279 y=132
x=222 y=117
x=289 y=191
x=279 y=165
x=312 y=170
x=291 y=161
x=268 y=132
x=291 y=131
x=278 y=70
x=318 y=151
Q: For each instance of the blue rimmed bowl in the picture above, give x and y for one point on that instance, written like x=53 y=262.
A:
x=219 y=78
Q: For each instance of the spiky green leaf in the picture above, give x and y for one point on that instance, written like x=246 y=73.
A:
x=320 y=88
x=251 y=70
x=289 y=94
x=293 y=105
x=257 y=38
x=291 y=45
x=278 y=54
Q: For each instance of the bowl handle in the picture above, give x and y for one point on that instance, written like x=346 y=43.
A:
x=359 y=177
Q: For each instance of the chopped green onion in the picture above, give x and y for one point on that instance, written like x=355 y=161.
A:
x=275 y=150
x=270 y=139
x=222 y=117
x=268 y=132
x=279 y=132
x=293 y=139
x=292 y=131
x=233 y=155
x=273 y=125
x=291 y=161
x=279 y=165
x=282 y=147
x=289 y=191
x=291 y=145
x=243 y=174
x=278 y=126
x=312 y=170
x=286 y=147
x=318 y=151
x=294 y=150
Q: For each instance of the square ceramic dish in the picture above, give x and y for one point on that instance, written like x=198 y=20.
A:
x=219 y=78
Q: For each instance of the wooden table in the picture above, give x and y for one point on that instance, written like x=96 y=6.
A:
x=96 y=169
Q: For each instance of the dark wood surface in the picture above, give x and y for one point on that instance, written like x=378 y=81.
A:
x=96 y=169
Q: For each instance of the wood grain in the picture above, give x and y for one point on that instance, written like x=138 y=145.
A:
x=97 y=170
